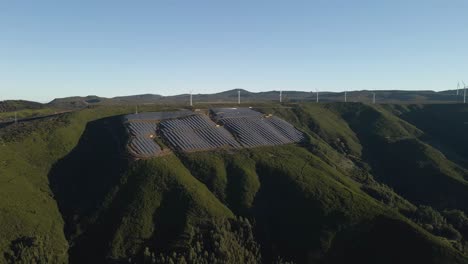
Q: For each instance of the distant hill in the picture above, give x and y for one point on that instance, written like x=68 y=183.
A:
x=140 y=99
x=365 y=96
x=77 y=101
x=17 y=105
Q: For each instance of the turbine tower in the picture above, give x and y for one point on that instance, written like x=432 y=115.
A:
x=458 y=87
x=373 y=97
x=345 y=96
x=464 y=93
x=317 y=91
x=136 y=109
x=281 y=96
x=191 y=101
x=238 y=96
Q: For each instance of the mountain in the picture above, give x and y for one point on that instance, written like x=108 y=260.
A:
x=230 y=96
x=140 y=99
x=77 y=101
x=16 y=105
x=384 y=183
x=18 y=109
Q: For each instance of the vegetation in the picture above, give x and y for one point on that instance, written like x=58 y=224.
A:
x=30 y=218
x=374 y=184
x=27 y=113
x=220 y=241
x=16 y=105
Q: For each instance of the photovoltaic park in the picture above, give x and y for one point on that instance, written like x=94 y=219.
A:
x=222 y=128
x=142 y=131
x=252 y=129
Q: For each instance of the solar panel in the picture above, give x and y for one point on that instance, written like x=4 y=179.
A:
x=155 y=116
x=221 y=113
x=196 y=132
x=252 y=129
x=144 y=147
x=141 y=128
x=187 y=131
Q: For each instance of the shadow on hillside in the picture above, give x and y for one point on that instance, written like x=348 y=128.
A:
x=445 y=127
x=385 y=240
x=402 y=161
x=81 y=181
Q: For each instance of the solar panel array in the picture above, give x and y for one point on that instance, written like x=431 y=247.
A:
x=187 y=131
x=251 y=129
x=140 y=129
x=196 y=132
x=144 y=147
x=222 y=113
x=155 y=116
x=288 y=130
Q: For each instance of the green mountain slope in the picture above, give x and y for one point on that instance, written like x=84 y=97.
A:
x=445 y=126
x=31 y=223
x=305 y=210
x=399 y=158
x=356 y=190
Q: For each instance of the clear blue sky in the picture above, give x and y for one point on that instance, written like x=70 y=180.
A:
x=61 y=48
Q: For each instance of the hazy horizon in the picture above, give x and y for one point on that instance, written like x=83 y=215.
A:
x=214 y=91
x=53 y=49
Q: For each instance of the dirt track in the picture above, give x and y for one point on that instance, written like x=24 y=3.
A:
x=22 y=120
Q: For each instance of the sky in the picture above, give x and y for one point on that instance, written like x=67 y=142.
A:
x=51 y=49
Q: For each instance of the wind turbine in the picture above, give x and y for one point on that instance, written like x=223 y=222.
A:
x=281 y=96
x=317 y=91
x=464 y=92
x=373 y=97
x=238 y=96
x=345 y=96
x=191 y=101
x=458 y=87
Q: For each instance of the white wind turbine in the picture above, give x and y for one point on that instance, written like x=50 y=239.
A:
x=191 y=101
x=464 y=92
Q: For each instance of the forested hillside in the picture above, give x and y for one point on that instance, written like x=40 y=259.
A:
x=370 y=184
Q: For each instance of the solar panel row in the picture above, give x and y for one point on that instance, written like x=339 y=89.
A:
x=252 y=129
x=155 y=116
x=221 y=113
x=196 y=132
x=286 y=128
x=141 y=143
x=252 y=132
x=190 y=122
x=142 y=128
x=144 y=147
